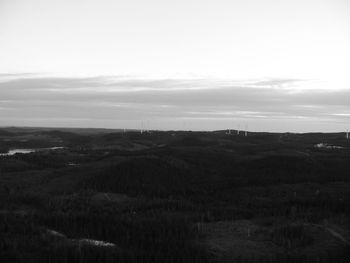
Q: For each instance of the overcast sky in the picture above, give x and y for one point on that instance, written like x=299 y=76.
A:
x=272 y=65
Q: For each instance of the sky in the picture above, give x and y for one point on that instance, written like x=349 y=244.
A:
x=265 y=65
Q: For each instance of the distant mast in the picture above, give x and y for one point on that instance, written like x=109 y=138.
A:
x=246 y=130
x=238 y=130
x=347 y=135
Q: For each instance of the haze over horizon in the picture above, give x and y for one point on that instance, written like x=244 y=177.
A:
x=197 y=65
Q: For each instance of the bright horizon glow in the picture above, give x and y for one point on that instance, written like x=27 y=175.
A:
x=292 y=46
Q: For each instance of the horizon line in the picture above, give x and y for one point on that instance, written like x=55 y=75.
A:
x=164 y=130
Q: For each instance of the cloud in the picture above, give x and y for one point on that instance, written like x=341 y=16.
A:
x=124 y=99
x=276 y=82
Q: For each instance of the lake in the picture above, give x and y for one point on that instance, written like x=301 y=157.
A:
x=26 y=151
